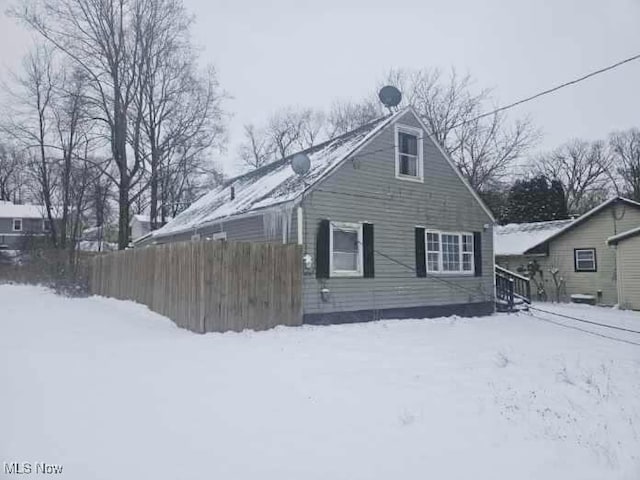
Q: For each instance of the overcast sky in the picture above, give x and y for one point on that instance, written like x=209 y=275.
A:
x=275 y=53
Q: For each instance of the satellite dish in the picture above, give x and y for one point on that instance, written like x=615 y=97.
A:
x=390 y=96
x=301 y=163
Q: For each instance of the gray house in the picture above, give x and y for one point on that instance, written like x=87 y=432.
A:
x=19 y=222
x=388 y=226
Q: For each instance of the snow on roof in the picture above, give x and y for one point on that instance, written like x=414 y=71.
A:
x=273 y=184
x=517 y=238
x=145 y=218
x=11 y=210
x=584 y=217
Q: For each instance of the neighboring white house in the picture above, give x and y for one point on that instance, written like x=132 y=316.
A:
x=140 y=225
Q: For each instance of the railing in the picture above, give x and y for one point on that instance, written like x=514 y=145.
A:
x=512 y=288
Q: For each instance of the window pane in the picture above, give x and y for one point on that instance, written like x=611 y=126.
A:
x=345 y=261
x=408 y=165
x=450 y=253
x=585 y=255
x=408 y=143
x=345 y=241
x=433 y=242
x=467 y=262
x=433 y=261
x=467 y=243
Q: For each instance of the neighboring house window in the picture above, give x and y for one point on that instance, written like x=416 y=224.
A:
x=17 y=224
x=585 y=259
x=345 y=249
x=409 y=158
x=450 y=252
x=219 y=236
x=46 y=225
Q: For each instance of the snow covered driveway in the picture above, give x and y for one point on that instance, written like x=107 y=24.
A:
x=110 y=390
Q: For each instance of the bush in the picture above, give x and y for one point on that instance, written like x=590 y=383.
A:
x=66 y=274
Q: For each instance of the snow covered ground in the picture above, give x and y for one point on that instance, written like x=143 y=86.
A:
x=110 y=390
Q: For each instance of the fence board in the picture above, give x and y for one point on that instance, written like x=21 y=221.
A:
x=208 y=286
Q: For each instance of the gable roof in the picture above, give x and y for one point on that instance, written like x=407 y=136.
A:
x=276 y=185
x=12 y=210
x=580 y=220
x=517 y=238
x=615 y=239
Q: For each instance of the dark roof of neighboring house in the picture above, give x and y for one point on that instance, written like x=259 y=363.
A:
x=614 y=240
x=580 y=220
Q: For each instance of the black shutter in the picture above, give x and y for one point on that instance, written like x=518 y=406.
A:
x=421 y=261
x=322 y=249
x=368 y=250
x=477 y=253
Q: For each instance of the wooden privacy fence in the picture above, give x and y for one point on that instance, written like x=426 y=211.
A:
x=208 y=286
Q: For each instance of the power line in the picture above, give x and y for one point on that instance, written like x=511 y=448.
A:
x=553 y=89
x=572 y=327
x=614 y=327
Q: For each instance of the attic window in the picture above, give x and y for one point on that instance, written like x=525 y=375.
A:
x=409 y=158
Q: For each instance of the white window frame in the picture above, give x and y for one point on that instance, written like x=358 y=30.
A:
x=592 y=251
x=461 y=253
x=417 y=132
x=348 y=227
x=13 y=225
x=44 y=223
x=219 y=236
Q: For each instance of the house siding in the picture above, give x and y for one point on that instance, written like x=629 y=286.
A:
x=365 y=189
x=15 y=240
x=247 y=229
x=628 y=272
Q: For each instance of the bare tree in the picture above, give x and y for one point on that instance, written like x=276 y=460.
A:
x=12 y=177
x=29 y=123
x=344 y=117
x=484 y=148
x=120 y=45
x=256 y=149
x=583 y=169
x=625 y=151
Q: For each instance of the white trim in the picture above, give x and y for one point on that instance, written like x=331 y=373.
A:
x=219 y=236
x=13 y=225
x=299 y=214
x=461 y=253
x=345 y=226
x=419 y=134
x=453 y=165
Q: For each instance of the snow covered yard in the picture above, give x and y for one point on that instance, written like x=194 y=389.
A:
x=111 y=390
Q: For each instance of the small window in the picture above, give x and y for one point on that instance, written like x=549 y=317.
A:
x=346 y=249
x=219 y=236
x=585 y=259
x=46 y=225
x=450 y=252
x=409 y=165
x=17 y=224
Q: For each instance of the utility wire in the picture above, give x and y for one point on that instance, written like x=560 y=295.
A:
x=528 y=99
x=614 y=327
x=572 y=327
x=553 y=89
